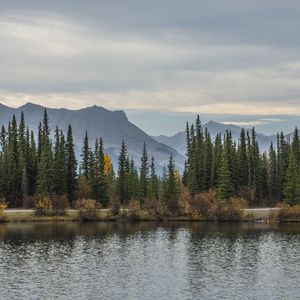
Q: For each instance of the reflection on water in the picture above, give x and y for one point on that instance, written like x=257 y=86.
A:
x=149 y=261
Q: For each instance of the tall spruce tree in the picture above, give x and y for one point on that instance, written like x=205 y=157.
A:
x=144 y=173
x=122 y=186
x=71 y=166
x=86 y=157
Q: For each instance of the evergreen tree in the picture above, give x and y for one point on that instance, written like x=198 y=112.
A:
x=86 y=156
x=144 y=174
x=243 y=173
x=59 y=165
x=225 y=186
x=291 y=186
x=71 y=166
x=45 y=167
x=122 y=191
x=172 y=192
x=273 y=181
x=153 y=189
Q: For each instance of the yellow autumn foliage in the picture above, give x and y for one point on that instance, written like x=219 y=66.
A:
x=3 y=206
x=107 y=164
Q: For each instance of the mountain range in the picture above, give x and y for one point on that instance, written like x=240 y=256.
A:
x=178 y=141
x=112 y=126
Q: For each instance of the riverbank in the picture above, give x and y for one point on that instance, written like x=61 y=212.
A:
x=263 y=215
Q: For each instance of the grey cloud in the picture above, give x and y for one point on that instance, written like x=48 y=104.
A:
x=173 y=55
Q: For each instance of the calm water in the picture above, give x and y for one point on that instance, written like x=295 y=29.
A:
x=148 y=261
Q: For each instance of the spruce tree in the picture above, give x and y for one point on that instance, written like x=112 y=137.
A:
x=71 y=167
x=122 y=191
x=153 y=188
x=144 y=174
x=290 y=191
x=59 y=165
x=225 y=186
x=243 y=173
x=172 y=187
x=85 y=157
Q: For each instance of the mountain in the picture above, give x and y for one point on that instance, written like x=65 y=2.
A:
x=112 y=126
x=178 y=141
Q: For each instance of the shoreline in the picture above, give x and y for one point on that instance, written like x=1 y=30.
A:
x=255 y=215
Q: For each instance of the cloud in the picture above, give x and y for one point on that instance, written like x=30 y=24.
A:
x=197 y=56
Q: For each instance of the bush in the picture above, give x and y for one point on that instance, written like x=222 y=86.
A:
x=287 y=212
x=43 y=206
x=134 y=208
x=87 y=209
x=184 y=206
x=156 y=207
x=3 y=206
x=60 y=203
x=203 y=204
x=232 y=209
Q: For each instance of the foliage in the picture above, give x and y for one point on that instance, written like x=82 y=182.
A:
x=60 y=204
x=87 y=209
x=288 y=212
x=43 y=206
x=3 y=206
x=133 y=210
x=231 y=210
x=203 y=204
x=156 y=207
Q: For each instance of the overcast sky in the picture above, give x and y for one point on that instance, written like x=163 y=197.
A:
x=175 y=57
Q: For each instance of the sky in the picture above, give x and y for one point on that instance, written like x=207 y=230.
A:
x=161 y=61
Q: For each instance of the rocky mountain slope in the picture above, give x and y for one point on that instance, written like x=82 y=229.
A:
x=112 y=126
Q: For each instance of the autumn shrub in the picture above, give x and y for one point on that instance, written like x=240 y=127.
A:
x=231 y=210
x=288 y=212
x=155 y=207
x=43 y=206
x=60 y=203
x=184 y=207
x=133 y=210
x=203 y=204
x=3 y=206
x=87 y=209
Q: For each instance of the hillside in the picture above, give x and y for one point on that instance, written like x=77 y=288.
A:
x=178 y=141
x=112 y=126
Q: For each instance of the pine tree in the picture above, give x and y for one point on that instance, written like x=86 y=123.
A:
x=71 y=166
x=218 y=149
x=14 y=174
x=274 y=193
x=144 y=174
x=290 y=191
x=208 y=160
x=296 y=147
x=86 y=156
x=225 y=186
x=45 y=167
x=243 y=173
x=153 y=188
x=122 y=191
x=100 y=188
x=60 y=167
x=172 y=187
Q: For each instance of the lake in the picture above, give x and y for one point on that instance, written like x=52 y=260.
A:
x=149 y=261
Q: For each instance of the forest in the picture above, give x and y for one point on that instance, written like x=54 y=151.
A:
x=34 y=167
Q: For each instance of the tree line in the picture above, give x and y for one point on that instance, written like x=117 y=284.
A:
x=240 y=169
x=32 y=167
x=45 y=165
